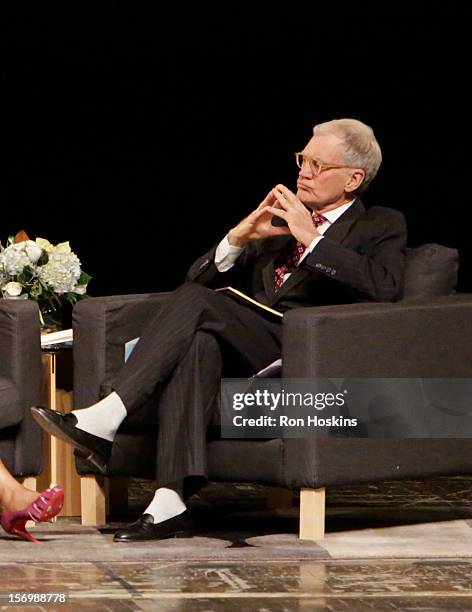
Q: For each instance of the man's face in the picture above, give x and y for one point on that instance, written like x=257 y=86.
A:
x=328 y=188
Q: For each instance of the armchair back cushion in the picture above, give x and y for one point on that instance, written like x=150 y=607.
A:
x=431 y=269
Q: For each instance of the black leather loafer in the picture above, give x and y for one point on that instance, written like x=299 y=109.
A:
x=179 y=526
x=64 y=426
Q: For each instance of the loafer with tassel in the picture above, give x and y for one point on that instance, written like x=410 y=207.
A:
x=94 y=449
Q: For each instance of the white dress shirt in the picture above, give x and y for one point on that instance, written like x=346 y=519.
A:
x=226 y=254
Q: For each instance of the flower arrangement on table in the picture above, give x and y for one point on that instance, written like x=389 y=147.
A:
x=38 y=270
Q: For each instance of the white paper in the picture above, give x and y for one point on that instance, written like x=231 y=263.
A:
x=59 y=337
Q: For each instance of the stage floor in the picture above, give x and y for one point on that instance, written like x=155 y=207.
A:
x=395 y=546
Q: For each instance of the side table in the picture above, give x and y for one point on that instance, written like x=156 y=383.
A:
x=58 y=457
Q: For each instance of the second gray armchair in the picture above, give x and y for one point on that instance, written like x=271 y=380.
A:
x=422 y=336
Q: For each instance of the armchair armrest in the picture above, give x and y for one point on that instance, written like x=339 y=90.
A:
x=102 y=326
x=420 y=339
x=20 y=363
x=20 y=347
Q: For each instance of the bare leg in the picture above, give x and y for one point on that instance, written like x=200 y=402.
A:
x=13 y=495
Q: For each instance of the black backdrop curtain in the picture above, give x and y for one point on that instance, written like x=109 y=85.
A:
x=142 y=133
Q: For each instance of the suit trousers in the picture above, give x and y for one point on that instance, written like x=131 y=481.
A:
x=195 y=339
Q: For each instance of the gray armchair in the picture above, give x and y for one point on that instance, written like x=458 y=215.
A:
x=422 y=336
x=20 y=387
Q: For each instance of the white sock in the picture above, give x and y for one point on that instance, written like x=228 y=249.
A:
x=103 y=418
x=165 y=504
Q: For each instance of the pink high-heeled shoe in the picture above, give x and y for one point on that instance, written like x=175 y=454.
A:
x=45 y=507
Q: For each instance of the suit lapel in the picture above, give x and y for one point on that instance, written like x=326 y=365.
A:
x=337 y=232
x=340 y=228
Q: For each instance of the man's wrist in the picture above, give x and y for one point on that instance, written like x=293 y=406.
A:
x=310 y=237
x=235 y=240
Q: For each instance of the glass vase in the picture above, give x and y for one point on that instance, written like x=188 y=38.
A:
x=55 y=316
x=51 y=317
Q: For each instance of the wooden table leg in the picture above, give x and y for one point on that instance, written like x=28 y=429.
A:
x=59 y=461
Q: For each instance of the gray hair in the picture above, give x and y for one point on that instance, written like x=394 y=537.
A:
x=360 y=147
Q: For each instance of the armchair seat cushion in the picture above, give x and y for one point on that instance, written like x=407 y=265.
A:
x=11 y=410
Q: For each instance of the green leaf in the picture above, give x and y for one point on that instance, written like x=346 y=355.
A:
x=84 y=279
x=43 y=260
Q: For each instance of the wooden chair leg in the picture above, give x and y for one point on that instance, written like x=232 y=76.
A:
x=312 y=514
x=117 y=496
x=92 y=495
x=278 y=498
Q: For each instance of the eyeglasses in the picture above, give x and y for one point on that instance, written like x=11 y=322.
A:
x=316 y=165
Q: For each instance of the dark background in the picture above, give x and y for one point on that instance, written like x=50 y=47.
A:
x=142 y=134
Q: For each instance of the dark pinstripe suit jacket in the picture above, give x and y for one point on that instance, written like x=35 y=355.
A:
x=361 y=258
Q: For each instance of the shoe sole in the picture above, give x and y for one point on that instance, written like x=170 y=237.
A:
x=80 y=450
x=178 y=534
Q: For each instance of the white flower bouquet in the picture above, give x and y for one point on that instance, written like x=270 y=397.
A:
x=38 y=270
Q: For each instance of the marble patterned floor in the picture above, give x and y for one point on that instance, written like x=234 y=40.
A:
x=400 y=546
x=280 y=586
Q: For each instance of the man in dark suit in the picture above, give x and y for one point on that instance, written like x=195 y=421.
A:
x=316 y=246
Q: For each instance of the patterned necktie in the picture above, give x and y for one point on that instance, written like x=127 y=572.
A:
x=290 y=260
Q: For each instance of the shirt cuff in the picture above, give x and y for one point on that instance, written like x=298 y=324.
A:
x=226 y=255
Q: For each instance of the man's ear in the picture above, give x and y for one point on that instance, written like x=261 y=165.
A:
x=355 y=180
